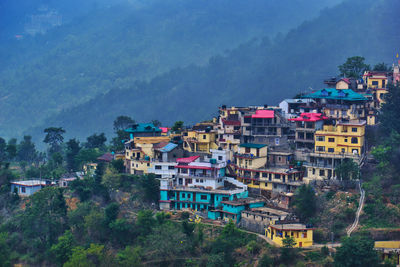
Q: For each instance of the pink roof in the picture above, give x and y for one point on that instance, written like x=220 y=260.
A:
x=310 y=117
x=164 y=129
x=194 y=167
x=263 y=114
x=188 y=159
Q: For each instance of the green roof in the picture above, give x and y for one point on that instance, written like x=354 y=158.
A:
x=332 y=93
x=143 y=128
x=251 y=145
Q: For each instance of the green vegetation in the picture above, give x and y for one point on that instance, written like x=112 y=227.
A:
x=354 y=67
x=305 y=203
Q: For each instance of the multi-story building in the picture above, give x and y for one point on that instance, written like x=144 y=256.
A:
x=378 y=82
x=229 y=128
x=143 y=130
x=340 y=104
x=333 y=144
x=265 y=126
x=140 y=153
x=164 y=161
x=306 y=125
x=200 y=141
x=200 y=184
x=263 y=172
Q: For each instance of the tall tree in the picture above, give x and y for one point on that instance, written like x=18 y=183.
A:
x=54 y=137
x=122 y=122
x=354 y=67
x=381 y=67
x=347 y=170
x=390 y=121
x=73 y=148
x=96 y=141
x=177 y=128
x=305 y=202
x=26 y=150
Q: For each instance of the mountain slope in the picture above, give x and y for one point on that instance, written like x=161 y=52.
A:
x=113 y=47
x=259 y=72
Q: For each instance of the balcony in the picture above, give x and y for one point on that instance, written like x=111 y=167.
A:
x=245 y=155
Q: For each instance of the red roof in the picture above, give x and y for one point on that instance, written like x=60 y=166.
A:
x=310 y=117
x=107 y=157
x=346 y=80
x=263 y=114
x=226 y=122
x=188 y=159
x=164 y=129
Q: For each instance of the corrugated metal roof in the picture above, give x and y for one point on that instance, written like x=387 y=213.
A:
x=251 y=145
x=332 y=93
x=168 y=147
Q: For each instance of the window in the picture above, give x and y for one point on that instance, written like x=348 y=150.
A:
x=183 y=195
x=203 y=197
x=158 y=175
x=148 y=164
x=313 y=171
x=171 y=167
x=354 y=130
x=355 y=151
x=247 y=150
x=197 y=180
x=158 y=167
x=331 y=150
x=375 y=83
x=343 y=150
x=201 y=181
x=204 y=136
x=331 y=140
x=219 y=157
x=321 y=172
x=236 y=136
x=345 y=140
x=320 y=148
x=23 y=190
x=277 y=176
x=354 y=140
x=320 y=138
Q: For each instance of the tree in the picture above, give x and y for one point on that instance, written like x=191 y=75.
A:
x=145 y=221
x=45 y=216
x=177 y=128
x=151 y=188
x=5 y=251
x=356 y=251
x=347 y=170
x=73 y=148
x=63 y=249
x=305 y=202
x=54 y=137
x=122 y=123
x=26 y=150
x=156 y=123
x=390 y=121
x=381 y=67
x=354 y=67
x=289 y=242
x=96 y=141
x=11 y=149
x=130 y=257
x=95 y=255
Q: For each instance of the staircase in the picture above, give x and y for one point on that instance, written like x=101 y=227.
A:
x=236 y=182
x=360 y=206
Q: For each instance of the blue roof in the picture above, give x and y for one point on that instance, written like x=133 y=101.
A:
x=251 y=145
x=333 y=93
x=143 y=128
x=168 y=147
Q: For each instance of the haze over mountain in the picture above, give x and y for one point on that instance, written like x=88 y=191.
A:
x=111 y=47
x=258 y=72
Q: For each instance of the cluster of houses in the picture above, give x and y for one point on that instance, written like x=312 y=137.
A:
x=246 y=164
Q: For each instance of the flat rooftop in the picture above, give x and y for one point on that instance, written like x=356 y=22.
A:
x=290 y=226
x=268 y=211
x=243 y=201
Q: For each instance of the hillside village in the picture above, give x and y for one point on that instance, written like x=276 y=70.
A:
x=246 y=165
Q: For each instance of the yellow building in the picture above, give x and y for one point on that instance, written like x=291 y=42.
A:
x=139 y=153
x=343 y=138
x=252 y=168
x=89 y=168
x=302 y=235
x=378 y=82
x=389 y=250
x=199 y=140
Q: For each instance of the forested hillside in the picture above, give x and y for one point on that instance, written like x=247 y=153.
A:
x=112 y=47
x=258 y=72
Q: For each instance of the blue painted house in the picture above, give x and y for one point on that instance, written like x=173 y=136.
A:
x=28 y=187
x=232 y=209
